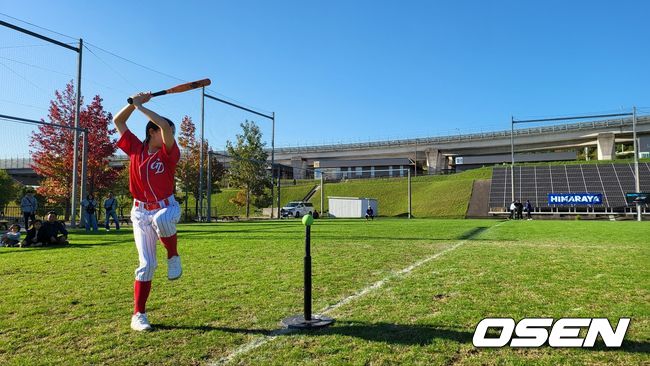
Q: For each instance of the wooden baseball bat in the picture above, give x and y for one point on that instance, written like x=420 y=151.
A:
x=179 y=88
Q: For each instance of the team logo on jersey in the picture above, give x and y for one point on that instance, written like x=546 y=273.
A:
x=158 y=166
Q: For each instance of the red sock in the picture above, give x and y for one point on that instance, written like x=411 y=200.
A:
x=141 y=291
x=170 y=244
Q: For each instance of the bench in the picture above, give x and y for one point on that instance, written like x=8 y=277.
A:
x=5 y=224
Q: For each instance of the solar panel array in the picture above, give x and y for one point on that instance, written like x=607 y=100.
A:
x=534 y=183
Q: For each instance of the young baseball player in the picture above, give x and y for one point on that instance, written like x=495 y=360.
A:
x=155 y=212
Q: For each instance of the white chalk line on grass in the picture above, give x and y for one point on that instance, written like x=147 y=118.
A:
x=262 y=340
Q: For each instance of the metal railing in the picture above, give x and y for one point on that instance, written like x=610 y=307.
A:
x=16 y=163
x=470 y=137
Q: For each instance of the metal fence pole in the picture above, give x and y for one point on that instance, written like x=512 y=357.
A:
x=512 y=157
x=279 y=191
x=637 y=183
x=209 y=188
x=409 y=192
x=322 y=193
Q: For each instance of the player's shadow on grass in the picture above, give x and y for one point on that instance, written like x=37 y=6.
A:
x=402 y=334
x=375 y=332
x=473 y=233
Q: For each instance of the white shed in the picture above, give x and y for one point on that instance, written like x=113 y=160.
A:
x=351 y=207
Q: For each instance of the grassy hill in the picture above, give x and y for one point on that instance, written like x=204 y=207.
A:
x=444 y=196
x=432 y=196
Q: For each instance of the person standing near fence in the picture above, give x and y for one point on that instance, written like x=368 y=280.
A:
x=110 y=206
x=513 y=210
x=529 y=210
x=90 y=212
x=28 y=206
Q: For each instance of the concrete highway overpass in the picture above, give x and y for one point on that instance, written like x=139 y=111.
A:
x=439 y=154
x=436 y=154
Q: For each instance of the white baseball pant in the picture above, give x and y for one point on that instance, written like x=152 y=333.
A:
x=148 y=227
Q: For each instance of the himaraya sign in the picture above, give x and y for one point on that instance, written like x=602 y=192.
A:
x=575 y=199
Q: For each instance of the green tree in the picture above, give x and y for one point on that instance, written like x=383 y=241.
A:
x=9 y=189
x=248 y=165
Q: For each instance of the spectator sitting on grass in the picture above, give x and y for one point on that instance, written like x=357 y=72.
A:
x=52 y=232
x=12 y=237
x=31 y=240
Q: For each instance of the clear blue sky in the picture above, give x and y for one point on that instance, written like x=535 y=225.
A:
x=357 y=70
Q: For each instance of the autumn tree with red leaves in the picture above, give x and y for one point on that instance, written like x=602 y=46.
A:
x=52 y=148
x=187 y=169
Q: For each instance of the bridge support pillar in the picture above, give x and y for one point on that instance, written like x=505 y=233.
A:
x=436 y=161
x=299 y=167
x=606 y=146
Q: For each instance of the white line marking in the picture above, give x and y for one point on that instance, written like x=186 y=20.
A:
x=262 y=340
x=259 y=341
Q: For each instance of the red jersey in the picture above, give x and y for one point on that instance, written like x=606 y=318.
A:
x=151 y=176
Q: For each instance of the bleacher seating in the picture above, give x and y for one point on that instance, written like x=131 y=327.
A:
x=534 y=183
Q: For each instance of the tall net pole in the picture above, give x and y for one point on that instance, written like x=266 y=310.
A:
x=637 y=183
x=209 y=188
x=512 y=157
x=272 y=162
x=200 y=213
x=73 y=199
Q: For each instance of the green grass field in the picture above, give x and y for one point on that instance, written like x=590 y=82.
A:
x=72 y=305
